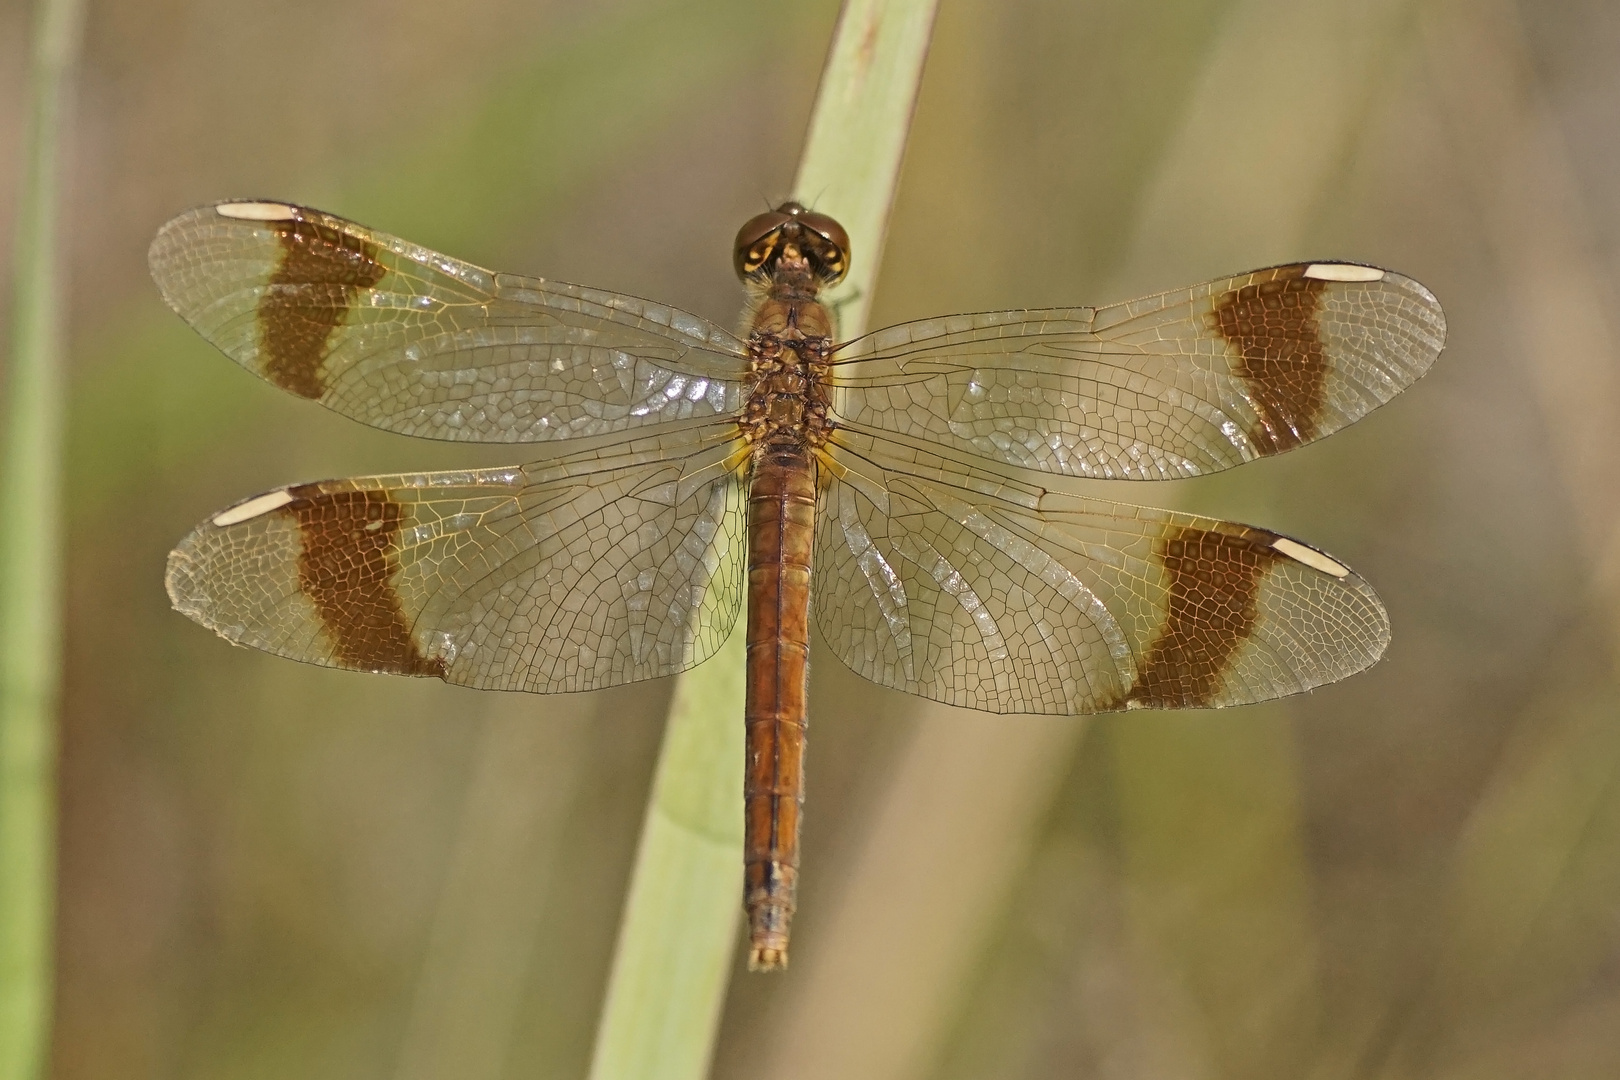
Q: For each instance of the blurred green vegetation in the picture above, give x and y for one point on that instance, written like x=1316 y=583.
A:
x=31 y=555
x=270 y=870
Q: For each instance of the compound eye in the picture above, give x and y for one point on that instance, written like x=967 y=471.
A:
x=829 y=230
x=756 y=240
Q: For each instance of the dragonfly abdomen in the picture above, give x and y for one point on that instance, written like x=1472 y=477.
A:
x=781 y=525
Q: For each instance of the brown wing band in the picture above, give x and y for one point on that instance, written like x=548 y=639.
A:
x=309 y=296
x=1212 y=609
x=1273 y=326
x=347 y=567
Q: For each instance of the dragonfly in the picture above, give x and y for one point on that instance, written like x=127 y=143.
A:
x=911 y=492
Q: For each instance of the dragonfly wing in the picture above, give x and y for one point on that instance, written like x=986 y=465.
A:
x=1179 y=384
x=974 y=591
x=409 y=340
x=574 y=574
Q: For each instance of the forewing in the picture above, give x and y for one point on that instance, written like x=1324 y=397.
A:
x=409 y=340
x=1180 y=384
x=581 y=573
x=966 y=589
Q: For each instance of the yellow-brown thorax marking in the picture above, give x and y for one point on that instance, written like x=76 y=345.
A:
x=789 y=342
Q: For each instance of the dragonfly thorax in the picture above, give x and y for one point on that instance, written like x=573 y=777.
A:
x=788 y=392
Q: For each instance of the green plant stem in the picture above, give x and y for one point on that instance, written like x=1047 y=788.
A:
x=850 y=169
x=679 y=929
x=30 y=570
x=680 y=919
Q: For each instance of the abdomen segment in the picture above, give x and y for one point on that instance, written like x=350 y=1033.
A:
x=781 y=526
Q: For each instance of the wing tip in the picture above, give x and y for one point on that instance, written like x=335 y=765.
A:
x=1430 y=312
x=1421 y=319
x=181 y=582
x=164 y=242
x=1361 y=617
x=1356 y=614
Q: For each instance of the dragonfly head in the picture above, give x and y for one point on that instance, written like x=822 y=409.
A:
x=791 y=232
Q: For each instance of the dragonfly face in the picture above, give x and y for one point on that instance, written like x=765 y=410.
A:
x=903 y=491
x=766 y=238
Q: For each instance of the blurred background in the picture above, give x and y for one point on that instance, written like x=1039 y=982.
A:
x=270 y=870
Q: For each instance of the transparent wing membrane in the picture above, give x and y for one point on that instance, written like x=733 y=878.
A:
x=409 y=340
x=575 y=574
x=968 y=589
x=937 y=570
x=1179 y=384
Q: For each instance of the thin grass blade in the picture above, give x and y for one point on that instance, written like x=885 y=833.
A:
x=30 y=572
x=680 y=922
